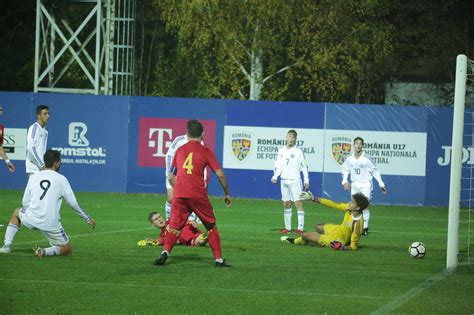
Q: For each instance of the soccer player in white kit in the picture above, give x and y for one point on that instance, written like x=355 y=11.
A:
x=289 y=164
x=361 y=169
x=36 y=141
x=40 y=209
x=177 y=143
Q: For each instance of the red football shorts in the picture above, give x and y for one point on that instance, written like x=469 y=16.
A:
x=181 y=208
x=188 y=235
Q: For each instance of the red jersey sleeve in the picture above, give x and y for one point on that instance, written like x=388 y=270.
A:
x=212 y=161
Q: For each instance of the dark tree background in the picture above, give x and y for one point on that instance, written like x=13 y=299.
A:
x=336 y=51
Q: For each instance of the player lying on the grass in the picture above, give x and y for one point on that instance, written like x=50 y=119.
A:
x=344 y=236
x=191 y=235
x=41 y=205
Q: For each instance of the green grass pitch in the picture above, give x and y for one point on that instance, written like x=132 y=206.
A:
x=109 y=273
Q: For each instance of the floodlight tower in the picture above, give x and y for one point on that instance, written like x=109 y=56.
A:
x=85 y=46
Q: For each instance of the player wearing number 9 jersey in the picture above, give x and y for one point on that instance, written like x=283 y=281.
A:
x=40 y=208
x=190 y=193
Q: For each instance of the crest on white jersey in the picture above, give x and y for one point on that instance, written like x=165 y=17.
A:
x=77 y=134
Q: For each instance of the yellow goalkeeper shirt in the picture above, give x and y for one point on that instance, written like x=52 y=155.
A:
x=351 y=228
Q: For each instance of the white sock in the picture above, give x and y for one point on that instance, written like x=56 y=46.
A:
x=287 y=216
x=12 y=229
x=366 y=215
x=168 y=210
x=300 y=220
x=52 y=251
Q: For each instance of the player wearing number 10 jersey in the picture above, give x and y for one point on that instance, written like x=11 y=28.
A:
x=41 y=205
x=190 y=193
x=361 y=169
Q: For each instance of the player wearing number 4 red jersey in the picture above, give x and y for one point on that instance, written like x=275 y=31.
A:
x=190 y=193
x=41 y=205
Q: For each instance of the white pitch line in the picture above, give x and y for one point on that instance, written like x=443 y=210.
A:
x=410 y=294
x=193 y=288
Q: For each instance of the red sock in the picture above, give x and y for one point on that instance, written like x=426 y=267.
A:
x=170 y=241
x=215 y=242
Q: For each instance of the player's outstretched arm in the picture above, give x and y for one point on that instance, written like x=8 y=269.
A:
x=223 y=181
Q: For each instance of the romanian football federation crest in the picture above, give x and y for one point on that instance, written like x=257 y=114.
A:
x=341 y=148
x=241 y=145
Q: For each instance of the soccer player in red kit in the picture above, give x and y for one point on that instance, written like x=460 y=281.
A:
x=190 y=193
x=190 y=235
x=4 y=156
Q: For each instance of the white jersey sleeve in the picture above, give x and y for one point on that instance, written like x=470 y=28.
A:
x=375 y=173
x=72 y=201
x=345 y=168
x=277 y=164
x=177 y=143
x=36 y=144
x=304 y=168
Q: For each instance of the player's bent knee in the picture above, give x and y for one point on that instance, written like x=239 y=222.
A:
x=209 y=226
x=15 y=218
x=299 y=205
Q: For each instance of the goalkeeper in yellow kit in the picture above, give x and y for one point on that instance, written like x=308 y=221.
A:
x=342 y=236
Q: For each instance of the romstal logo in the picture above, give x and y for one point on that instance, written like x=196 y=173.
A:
x=77 y=134
x=79 y=144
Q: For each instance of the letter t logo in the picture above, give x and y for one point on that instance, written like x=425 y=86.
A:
x=160 y=144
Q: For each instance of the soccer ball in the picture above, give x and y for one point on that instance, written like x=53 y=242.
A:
x=417 y=250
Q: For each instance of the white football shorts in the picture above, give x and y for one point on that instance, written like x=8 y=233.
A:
x=365 y=188
x=55 y=236
x=291 y=189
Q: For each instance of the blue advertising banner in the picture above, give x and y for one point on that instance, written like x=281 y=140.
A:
x=438 y=163
x=91 y=133
x=18 y=111
x=154 y=123
x=118 y=144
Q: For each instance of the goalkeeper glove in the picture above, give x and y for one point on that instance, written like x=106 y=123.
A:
x=306 y=195
x=336 y=245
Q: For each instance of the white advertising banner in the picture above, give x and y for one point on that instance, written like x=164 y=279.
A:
x=14 y=143
x=256 y=148
x=394 y=153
